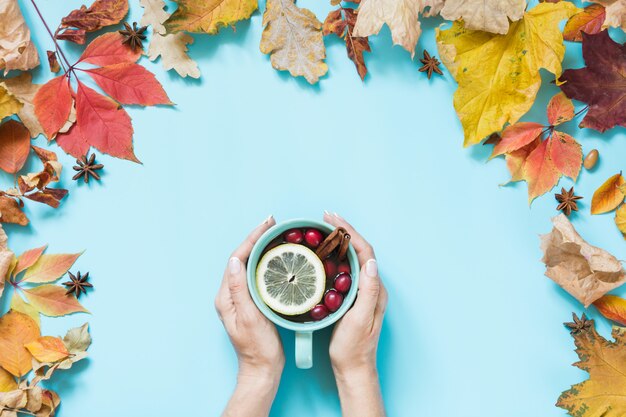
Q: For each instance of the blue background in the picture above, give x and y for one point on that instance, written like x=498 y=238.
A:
x=473 y=326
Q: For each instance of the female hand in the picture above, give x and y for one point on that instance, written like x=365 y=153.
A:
x=354 y=341
x=254 y=337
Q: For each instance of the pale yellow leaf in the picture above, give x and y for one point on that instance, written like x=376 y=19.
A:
x=172 y=48
x=293 y=38
x=487 y=15
x=154 y=15
x=17 y=51
x=9 y=104
x=24 y=91
x=77 y=339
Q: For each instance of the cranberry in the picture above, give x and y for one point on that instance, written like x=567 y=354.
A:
x=330 y=267
x=343 y=282
x=293 y=236
x=344 y=267
x=333 y=300
x=313 y=237
x=319 y=312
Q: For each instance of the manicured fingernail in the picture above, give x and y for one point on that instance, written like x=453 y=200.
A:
x=326 y=212
x=371 y=268
x=338 y=216
x=234 y=265
x=268 y=220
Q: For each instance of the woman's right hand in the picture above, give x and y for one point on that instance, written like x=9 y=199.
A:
x=354 y=341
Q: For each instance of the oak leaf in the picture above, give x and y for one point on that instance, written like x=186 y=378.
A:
x=101 y=13
x=47 y=349
x=24 y=90
x=292 y=36
x=341 y=22
x=601 y=84
x=615 y=13
x=612 y=307
x=608 y=196
x=14 y=146
x=486 y=15
x=9 y=104
x=590 y=20
x=16 y=330
x=604 y=393
x=498 y=75
x=583 y=270
x=154 y=15
x=17 y=51
x=209 y=16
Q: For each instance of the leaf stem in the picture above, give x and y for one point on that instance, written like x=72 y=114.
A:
x=56 y=45
x=580 y=111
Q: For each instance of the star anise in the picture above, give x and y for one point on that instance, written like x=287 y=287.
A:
x=579 y=325
x=567 y=201
x=86 y=167
x=77 y=284
x=431 y=64
x=133 y=35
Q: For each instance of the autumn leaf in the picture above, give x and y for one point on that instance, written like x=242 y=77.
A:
x=517 y=136
x=566 y=154
x=7 y=381
x=560 y=109
x=10 y=212
x=14 y=146
x=590 y=20
x=615 y=13
x=604 y=393
x=601 y=84
x=16 y=330
x=400 y=15
x=17 y=51
x=498 y=75
x=608 y=196
x=21 y=306
x=540 y=171
x=6 y=258
x=77 y=339
x=292 y=36
x=612 y=307
x=171 y=47
x=9 y=104
x=53 y=104
x=47 y=349
x=52 y=301
x=209 y=16
x=23 y=89
x=130 y=83
x=49 y=268
x=341 y=22
x=486 y=15
x=620 y=219
x=53 y=62
x=100 y=14
x=583 y=270
x=108 y=49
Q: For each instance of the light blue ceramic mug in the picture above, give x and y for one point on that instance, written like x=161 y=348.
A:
x=304 y=331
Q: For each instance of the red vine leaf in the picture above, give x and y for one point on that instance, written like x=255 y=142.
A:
x=73 y=142
x=540 y=172
x=108 y=49
x=14 y=146
x=53 y=103
x=104 y=123
x=566 y=154
x=517 y=136
x=560 y=109
x=589 y=20
x=100 y=14
x=601 y=84
x=130 y=84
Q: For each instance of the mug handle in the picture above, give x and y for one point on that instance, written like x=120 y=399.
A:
x=304 y=350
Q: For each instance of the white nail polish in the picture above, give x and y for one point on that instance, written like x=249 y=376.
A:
x=371 y=268
x=327 y=213
x=234 y=265
x=269 y=219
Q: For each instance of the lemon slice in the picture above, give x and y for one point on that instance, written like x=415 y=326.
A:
x=291 y=279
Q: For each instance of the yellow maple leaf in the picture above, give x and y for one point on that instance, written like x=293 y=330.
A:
x=293 y=38
x=604 y=393
x=209 y=16
x=498 y=75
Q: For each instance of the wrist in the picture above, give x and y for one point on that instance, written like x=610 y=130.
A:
x=358 y=374
x=260 y=376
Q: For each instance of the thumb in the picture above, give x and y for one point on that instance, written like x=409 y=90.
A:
x=237 y=284
x=369 y=289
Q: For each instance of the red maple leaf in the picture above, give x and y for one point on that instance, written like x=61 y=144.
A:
x=601 y=84
x=101 y=121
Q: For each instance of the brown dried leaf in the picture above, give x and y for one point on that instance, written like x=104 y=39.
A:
x=172 y=48
x=23 y=89
x=17 y=51
x=100 y=14
x=583 y=270
x=53 y=62
x=6 y=258
x=10 y=212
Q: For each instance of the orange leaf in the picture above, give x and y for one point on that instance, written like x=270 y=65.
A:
x=560 y=109
x=16 y=329
x=517 y=136
x=14 y=146
x=47 y=349
x=7 y=381
x=566 y=154
x=10 y=212
x=104 y=123
x=130 y=83
x=612 y=307
x=590 y=21
x=108 y=49
x=28 y=258
x=515 y=160
x=50 y=267
x=540 y=172
x=608 y=196
x=53 y=103
x=73 y=142
x=51 y=301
